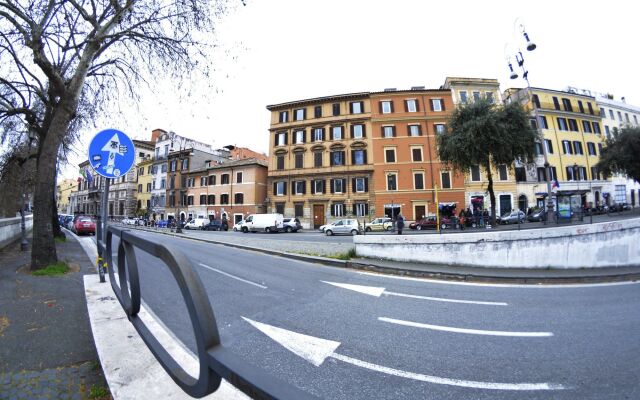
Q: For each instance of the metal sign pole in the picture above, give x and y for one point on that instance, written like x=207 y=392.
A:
x=102 y=231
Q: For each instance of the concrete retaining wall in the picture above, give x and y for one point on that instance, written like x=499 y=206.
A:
x=609 y=244
x=10 y=229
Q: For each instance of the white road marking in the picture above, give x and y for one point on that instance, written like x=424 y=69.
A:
x=316 y=350
x=464 y=330
x=503 y=285
x=233 y=276
x=377 y=291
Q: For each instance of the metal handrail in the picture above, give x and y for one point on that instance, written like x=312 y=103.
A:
x=215 y=361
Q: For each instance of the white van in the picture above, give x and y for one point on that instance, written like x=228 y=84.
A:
x=196 y=223
x=263 y=223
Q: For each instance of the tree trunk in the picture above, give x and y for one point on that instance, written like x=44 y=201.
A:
x=57 y=231
x=492 y=195
x=43 y=250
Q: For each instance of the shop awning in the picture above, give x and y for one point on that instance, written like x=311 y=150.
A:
x=572 y=192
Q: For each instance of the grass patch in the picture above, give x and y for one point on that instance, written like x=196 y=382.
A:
x=98 y=392
x=344 y=256
x=60 y=239
x=59 y=268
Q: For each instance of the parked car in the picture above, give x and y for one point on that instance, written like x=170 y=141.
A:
x=379 y=224
x=68 y=219
x=342 y=227
x=197 y=223
x=84 y=225
x=238 y=226
x=130 y=221
x=537 y=216
x=513 y=217
x=430 y=223
x=291 y=225
x=263 y=223
x=214 y=225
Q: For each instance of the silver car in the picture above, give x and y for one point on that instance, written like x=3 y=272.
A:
x=513 y=217
x=343 y=227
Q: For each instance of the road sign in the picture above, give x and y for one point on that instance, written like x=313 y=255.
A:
x=111 y=153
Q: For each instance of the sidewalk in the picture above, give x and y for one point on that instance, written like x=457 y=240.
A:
x=46 y=345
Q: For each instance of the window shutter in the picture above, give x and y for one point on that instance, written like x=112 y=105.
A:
x=351 y=129
x=353 y=211
x=431 y=104
x=304 y=187
x=364 y=133
x=353 y=185
x=380 y=107
x=344 y=185
x=364 y=156
x=442 y=105
x=406 y=106
x=275 y=188
x=324 y=189
x=417 y=105
x=332 y=210
x=284 y=188
x=366 y=184
x=331 y=183
x=382 y=131
x=313 y=187
x=331 y=158
x=293 y=187
x=391 y=102
x=353 y=157
x=393 y=131
x=323 y=134
x=286 y=137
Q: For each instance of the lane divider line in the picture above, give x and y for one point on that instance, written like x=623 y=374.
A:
x=233 y=276
x=413 y=296
x=464 y=330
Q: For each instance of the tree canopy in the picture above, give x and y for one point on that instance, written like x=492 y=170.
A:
x=484 y=134
x=620 y=155
x=62 y=61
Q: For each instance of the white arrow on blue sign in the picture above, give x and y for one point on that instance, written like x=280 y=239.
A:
x=111 y=153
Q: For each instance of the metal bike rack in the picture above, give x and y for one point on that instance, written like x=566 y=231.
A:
x=216 y=361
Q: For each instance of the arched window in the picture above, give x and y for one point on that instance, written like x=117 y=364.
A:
x=239 y=198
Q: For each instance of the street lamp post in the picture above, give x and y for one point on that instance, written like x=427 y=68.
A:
x=525 y=74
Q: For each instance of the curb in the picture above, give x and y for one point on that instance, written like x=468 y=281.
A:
x=362 y=264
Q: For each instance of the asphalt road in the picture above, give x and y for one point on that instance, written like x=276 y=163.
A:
x=417 y=338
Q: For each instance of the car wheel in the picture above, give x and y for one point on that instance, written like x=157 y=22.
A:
x=367 y=229
x=419 y=227
x=245 y=230
x=354 y=232
x=288 y=229
x=235 y=230
x=389 y=228
x=443 y=226
x=328 y=232
x=267 y=229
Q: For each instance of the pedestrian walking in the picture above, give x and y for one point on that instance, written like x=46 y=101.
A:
x=400 y=223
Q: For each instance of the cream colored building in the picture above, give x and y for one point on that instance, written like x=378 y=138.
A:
x=63 y=195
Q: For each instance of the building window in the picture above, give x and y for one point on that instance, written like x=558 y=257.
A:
x=566 y=103
x=357 y=131
x=298 y=210
x=414 y=130
x=590 y=108
x=437 y=105
x=279 y=162
x=140 y=188
x=392 y=182
x=359 y=157
x=440 y=128
x=586 y=126
x=299 y=137
x=580 y=106
x=299 y=114
x=281 y=139
x=619 y=116
x=173 y=166
x=388 y=131
x=189 y=200
x=607 y=131
x=411 y=105
x=203 y=181
x=163 y=168
x=280 y=188
x=596 y=128
x=476 y=96
x=318 y=186
x=549 y=145
x=390 y=155
x=359 y=185
x=578 y=148
x=224 y=199
x=611 y=117
x=238 y=177
x=445 y=178
x=280 y=208
x=595 y=175
x=336 y=133
x=566 y=147
x=317 y=159
x=521 y=174
x=475 y=173
x=573 y=125
x=360 y=209
x=337 y=158
x=463 y=96
x=416 y=154
x=338 y=186
x=318 y=134
x=591 y=148
x=556 y=103
x=502 y=172
x=212 y=180
x=562 y=124
x=185 y=164
x=283 y=116
x=357 y=107
x=603 y=113
x=299 y=187
x=337 y=209
x=238 y=198
x=336 y=109
x=418 y=180
x=317 y=111
x=489 y=97
x=299 y=159
x=224 y=179
x=386 y=107
x=203 y=199
x=538 y=148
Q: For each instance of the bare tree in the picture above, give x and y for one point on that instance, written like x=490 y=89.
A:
x=62 y=61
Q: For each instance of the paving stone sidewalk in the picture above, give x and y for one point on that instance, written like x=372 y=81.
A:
x=46 y=345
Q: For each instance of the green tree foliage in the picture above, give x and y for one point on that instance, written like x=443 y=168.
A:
x=485 y=134
x=621 y=154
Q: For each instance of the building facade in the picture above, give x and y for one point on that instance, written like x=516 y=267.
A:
x=320 y=159
x=63 y=195
x=143 y=191
x=230 y=190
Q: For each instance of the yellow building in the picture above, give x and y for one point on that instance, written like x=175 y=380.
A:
x=63 y=194
x=464 y=90
x=144 y=186
x=571 y=126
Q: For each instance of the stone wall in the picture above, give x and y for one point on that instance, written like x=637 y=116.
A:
x=10 y=229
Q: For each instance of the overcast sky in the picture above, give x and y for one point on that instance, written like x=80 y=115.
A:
x=274 y=51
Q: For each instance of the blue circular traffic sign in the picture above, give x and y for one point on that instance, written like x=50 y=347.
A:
x=111 y=153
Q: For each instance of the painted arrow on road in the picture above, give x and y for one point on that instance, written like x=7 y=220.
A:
x=316 y=350
x=377 y=291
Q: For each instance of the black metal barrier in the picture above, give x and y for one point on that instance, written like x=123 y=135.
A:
x=216 y=362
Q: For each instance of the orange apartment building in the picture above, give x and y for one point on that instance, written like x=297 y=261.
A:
x=320 y=166
x=232 y=189
x=404 y=124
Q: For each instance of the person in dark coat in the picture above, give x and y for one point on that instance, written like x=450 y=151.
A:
x=400 y=223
